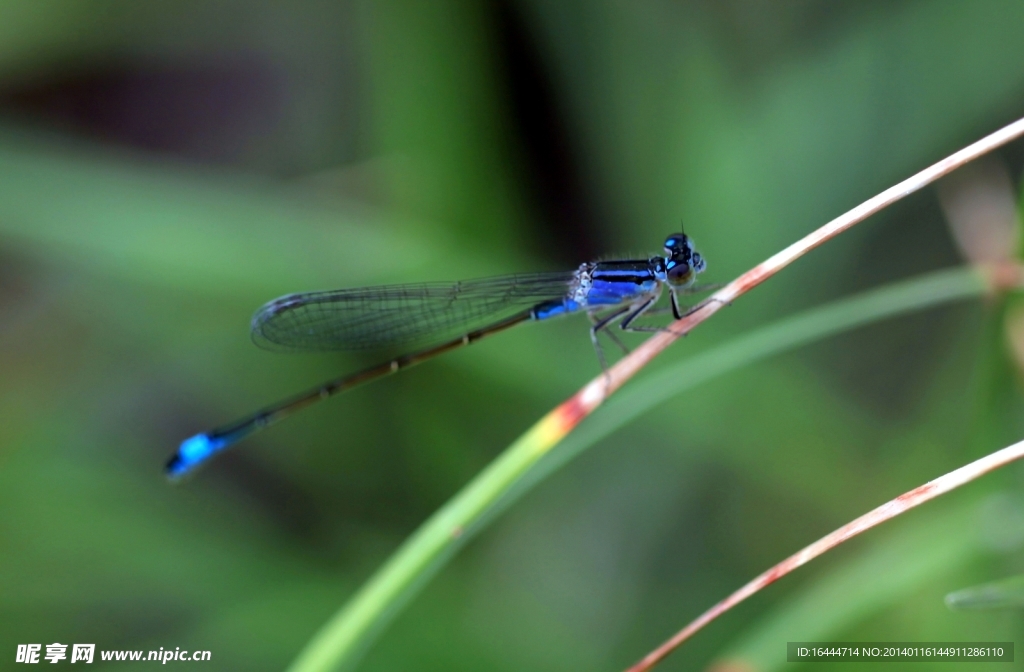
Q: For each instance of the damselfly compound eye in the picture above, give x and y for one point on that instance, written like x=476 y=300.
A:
x=680 y=273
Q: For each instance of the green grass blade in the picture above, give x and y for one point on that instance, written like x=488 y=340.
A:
x=528 y=460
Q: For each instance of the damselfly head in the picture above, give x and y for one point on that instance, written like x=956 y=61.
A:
x=682 y=261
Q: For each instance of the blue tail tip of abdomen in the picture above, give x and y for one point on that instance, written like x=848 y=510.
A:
x=192 y=452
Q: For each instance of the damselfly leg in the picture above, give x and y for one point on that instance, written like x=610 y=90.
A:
x=601 y=324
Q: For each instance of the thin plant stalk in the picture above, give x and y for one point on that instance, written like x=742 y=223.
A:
x=873 y=518
x=340 y=641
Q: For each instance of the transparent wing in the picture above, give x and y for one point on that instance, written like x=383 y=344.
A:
x=392 y=315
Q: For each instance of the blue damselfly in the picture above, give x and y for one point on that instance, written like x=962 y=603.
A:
x=437 y=317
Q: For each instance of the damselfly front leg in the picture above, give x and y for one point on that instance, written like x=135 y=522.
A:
x=674 y=308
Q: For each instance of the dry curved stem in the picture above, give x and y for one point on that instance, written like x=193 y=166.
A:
x=591 y=396
x=890 y=509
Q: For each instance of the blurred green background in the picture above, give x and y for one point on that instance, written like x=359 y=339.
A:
x=167 y=167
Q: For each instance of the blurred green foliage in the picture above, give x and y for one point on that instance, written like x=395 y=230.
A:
x=1004 y=594
x=167 y=167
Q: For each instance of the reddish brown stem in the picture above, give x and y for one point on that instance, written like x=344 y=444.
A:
x=891 y=509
